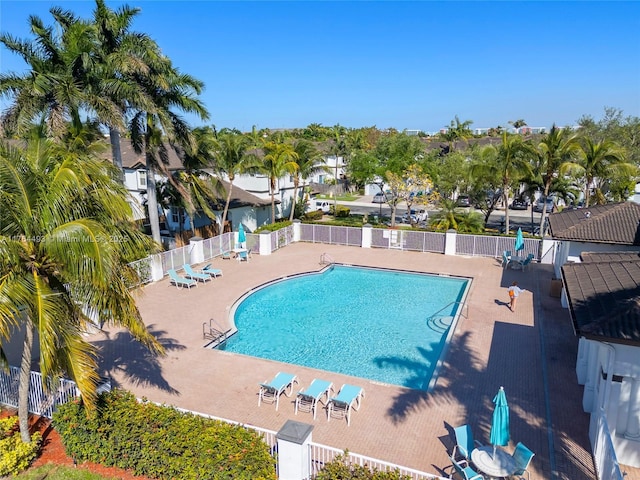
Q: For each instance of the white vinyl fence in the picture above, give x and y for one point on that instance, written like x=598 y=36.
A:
x=331 y=234
x=44 y=395
x=492 y=246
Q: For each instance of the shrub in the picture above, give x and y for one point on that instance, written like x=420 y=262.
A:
x=160 y=442
x=340 y=469
x=15 y=455
x=342 y=211
x=272 y=227
x=313 y=215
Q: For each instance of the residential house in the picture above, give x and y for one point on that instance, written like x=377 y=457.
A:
x=598 y=260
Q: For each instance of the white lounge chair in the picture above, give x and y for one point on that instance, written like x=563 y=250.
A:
x=348 y=399
x=271 y=391
x=310 y=397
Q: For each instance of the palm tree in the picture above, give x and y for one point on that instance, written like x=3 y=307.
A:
x=457 y=131
x=232 y=159
x=598 y=160
x=309 y=163
x=49 y=90
x=451 y=217
x=279 y=159
x=553 y=154
x=150 y=127
x=61 y=212
x=509 y=163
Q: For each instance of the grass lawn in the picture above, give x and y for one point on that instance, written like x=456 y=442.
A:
x=57 y=472
x=347 y=197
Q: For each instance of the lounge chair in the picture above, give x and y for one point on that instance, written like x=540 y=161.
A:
x=465 y=443
x=522 y=456
x=271 y=391
x=506 y=258
x=348 y=399
x=463 y=469
x=193 y=275
x=180 y=282
x=209 y=270
x=242 y=256
x=226 y=255
x=310 y=397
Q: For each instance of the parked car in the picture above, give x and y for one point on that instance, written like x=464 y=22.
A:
x=380 y=197
x=539 y=206
x=463 y=201
x=416 y=216
x=519 y=204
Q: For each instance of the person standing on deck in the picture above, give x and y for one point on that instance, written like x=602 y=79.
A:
x=514 y=291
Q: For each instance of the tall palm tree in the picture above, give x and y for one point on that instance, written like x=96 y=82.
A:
x=309 y=163
x=49 y=90
x=510 y=162
x=554 y=152
x=598 y=160
x=232 y=159
x=151 y=128
x=457 y=130
x=279 y=159
x=61 y=211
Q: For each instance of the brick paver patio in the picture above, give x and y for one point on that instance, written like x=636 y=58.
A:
x=491 y=347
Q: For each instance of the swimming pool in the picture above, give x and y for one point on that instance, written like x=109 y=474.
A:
x=384 y=325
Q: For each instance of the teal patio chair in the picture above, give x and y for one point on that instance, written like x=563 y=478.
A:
x=271 y=391
x=213 y=272
x=465 y=443
x=522 y=456
x=180 y=282
x=349 y=398
x=464 y=470
x=527 y=260
x=506 y=258
x=193 y=275
x=310 y=397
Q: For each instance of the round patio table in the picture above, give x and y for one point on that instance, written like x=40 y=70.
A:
x=499 y=465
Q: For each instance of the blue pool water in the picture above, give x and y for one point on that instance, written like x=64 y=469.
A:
x=362 y=322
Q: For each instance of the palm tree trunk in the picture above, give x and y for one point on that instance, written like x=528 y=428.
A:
x=152 y=202
x=226 y=205
x=272 y=184
x=116 y=153
x=505 y=196
x=23 y=385
x=544 y=208
x=296 y=183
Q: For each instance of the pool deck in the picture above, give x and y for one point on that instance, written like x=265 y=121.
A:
x=529 y=352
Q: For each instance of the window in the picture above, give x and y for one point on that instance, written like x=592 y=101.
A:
x=142 y=179
x=175 y=215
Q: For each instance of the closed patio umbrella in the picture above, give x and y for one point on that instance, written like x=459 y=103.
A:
x=242 y=238
x=519 y=245
x=500 y=422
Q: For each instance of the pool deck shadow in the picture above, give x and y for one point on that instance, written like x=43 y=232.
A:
x=491 y=347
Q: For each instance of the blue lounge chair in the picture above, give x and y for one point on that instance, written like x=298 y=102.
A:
x=179 y=281
x=310 y=397
x=465 y=443
x=522 y=456
x=226 y=255
x=463 y=469
x=209 y=270
x=271 y=391
x=193 y=275
x=242 y=256
x=348 y=399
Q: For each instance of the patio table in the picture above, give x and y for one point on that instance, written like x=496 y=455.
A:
x=516 y=261
x=500 y=465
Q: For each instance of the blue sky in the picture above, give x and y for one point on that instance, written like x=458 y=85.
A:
x=412 y=65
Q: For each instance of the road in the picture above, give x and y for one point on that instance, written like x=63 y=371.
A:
x=517 y=218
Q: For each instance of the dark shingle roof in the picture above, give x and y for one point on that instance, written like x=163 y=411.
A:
x=604 y=298
x=614 y=223
x=609 y=256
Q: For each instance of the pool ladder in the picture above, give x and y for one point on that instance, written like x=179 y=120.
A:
x=442 y=322
x=212 y=331
x=325 y=259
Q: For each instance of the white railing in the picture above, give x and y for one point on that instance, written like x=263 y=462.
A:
x=44 y=394
x=604 y=455
x=143 y=269
x=216 y=246
x=175 y=258
x=490 y=246
x=331 y=234
x=408 y=240
x=320 y=455
x=281 y=238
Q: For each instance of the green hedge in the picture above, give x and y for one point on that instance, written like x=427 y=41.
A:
x=160 y=442
x=340 y=469
x=272 y=227
x=15 y=455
